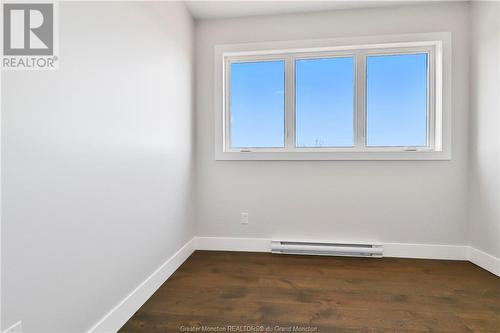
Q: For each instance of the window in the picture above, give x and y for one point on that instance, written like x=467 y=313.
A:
x=324 y=102
x=369 y=101
x=257 y=104
x=396 y=100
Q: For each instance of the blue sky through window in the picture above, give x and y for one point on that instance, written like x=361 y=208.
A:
x=324 y=102
x=396 y=98
x=258 y=104
x=396 y=101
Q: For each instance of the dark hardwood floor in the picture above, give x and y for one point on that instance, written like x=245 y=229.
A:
x=219 y=290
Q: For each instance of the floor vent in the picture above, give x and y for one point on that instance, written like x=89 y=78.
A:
x=327 y=249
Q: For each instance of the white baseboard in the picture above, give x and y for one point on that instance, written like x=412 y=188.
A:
x=15 y=328
x=401 y=250
x=233 y=244
x=425 y=251
x=122 y=312
x=484 y=260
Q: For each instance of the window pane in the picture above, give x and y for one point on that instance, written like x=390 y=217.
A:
x=258 y=104
x=324 y=102
x=396 y=111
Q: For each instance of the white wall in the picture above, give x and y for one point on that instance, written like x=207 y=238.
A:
x=484 y=216
x=389 y=201
x=97 y=163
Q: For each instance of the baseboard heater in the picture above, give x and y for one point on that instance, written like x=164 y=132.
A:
x=327 y=249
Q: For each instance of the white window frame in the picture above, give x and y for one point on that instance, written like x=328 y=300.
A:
x=436 y=45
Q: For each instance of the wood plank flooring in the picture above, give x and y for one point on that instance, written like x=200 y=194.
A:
x=260 y=292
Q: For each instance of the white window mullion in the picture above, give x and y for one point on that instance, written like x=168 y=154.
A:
x=226 y=118
x=360 y=103
x=289 y=103
x=431 y=101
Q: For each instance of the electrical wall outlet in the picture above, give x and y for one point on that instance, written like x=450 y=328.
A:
x=16 y=328
x=244 y=218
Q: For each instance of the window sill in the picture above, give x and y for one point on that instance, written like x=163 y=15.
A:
x=335 y=156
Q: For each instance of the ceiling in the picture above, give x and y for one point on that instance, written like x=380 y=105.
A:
x=226 y=9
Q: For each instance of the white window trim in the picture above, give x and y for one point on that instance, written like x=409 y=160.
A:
x=437 y=45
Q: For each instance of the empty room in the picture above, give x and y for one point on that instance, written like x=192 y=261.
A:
x=250 y=166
